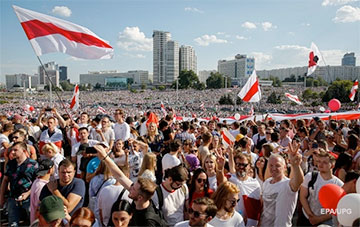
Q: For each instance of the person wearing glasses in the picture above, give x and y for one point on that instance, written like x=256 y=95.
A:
x=249 y=205
x=202 y=211
x=226 y=198
x=199 y=186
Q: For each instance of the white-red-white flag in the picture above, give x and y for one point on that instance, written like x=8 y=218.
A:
x=227 y=138
x=49 y=34
x=101 y=110
x=294 y=98
x=251 y=91
x=163 y=110
x=353 y=90
x=74 y=104
x=202 y=106
x=314 y=58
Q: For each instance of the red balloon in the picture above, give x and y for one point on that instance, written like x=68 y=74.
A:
x=330 y=195
x=334 y=104
x=327 y=111
x=31 y=108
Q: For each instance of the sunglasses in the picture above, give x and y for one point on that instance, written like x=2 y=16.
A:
x=196 y=214
x=234 y=202
x=201 y=180
x=241 y=164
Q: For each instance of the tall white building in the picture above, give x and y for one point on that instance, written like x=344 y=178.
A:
x=237 y=69
x=172 y=61
x=52 y=70
x=160 y=40
x=188 y=60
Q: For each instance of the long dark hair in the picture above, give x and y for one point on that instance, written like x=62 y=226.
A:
x=120 y=205
x=343 y=161
x=192 y=187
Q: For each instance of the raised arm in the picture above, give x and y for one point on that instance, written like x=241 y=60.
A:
x=296 y=176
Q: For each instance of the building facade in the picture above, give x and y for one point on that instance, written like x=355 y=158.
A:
x=328 y=73
x=204 y=74
x=238 y=69
x=22 y=80
x=172 y=62
x=160 y=39
x=63 y=73
x=138 y=77
x=52 y=70
x=349 y=59
x=188 y=59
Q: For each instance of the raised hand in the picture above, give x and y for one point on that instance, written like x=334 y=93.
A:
x=294 y=156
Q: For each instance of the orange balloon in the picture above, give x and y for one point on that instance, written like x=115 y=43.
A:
x=330 y=195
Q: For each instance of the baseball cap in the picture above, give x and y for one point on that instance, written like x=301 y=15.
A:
x=82 y=147
x=44 y=166
x=52 y=208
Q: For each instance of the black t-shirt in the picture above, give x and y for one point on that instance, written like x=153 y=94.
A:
x=139 y=217
x=77 y=186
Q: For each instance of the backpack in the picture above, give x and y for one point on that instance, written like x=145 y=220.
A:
x=157 y=216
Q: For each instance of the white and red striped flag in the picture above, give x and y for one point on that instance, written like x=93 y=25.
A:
x=49 y=34
x=74 y=104
x=101 y=110
x=353 y=90
x=314 y=58
x=294 y=98
x=202 y=106
x=163 y=110
x=227 y=138
x=251 y=91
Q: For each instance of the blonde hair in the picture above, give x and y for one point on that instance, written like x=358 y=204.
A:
x=103 y=169
x=50 y=146
x=149 y=162
x=156 y=129
x=211 y=156
x=222 y=192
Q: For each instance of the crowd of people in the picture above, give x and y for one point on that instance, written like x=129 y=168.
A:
x=127 y=168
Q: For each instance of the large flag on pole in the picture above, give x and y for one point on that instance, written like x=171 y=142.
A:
x=353 y=90
x=293 y=98
x=49 y=34
x=74 y=104
x=251 y=91
x=314 y=58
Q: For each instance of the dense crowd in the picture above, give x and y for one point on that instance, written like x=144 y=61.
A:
x=133 y=168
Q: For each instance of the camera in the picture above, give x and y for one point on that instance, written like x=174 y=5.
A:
x=315 y=145
x=90 y=150
x=126 y=145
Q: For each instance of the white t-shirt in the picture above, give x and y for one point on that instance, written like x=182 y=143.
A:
x=186 y=224
x=107 y=197
x=135 y=159
x=249 y=196
x=108 y=134
x=75 y=149
x=173 y=205
x=279 y=203
x=313 y=198
x=3 y=139
x=213 y=182
x=169 y=161
x=56 y=159
x=122 y=131
x=235 y=221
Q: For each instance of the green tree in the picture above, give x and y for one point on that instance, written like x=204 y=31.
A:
x=239 y=101
x=97 y=86
x=161 y=87
x=216 y=80
x=226 y=100
x=339 y=89
x=66 y=86
x=143 y=86
x=274 y=99
x=188 y=79
x=201 y=86
x=276 y=81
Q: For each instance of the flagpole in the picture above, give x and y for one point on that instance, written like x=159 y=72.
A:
x=51 y=83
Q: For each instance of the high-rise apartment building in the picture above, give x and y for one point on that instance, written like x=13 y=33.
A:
x=237 y=69
x=63 y=73
x=172 y=61
x=52 y=70
x=188 y=60
x=349 y=59
x=160 y=40
x=22 y=80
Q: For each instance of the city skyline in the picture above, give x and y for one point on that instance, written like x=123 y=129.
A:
x=276 y=33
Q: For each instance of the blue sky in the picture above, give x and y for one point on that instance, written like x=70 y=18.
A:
x=278 y=33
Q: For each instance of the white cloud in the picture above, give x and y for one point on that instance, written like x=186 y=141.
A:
x=262 y=60
x=134 y=55
x=194 y=10
x=206 y=40
x=305 y=24
x=267 y=26
x=347 y=14
x=132 y=39
x=62 y=11
x=248 y=25
x=220 y=33
x=336 y=2
x=241 y=37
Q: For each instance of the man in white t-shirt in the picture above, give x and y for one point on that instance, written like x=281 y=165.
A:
x=170 y=159
x=174 y=193
x=226 y=198
x=249 y=205
x=121 y=128
x=279 y=192
x=202 y=211
x=4 y=137
x=309 y=197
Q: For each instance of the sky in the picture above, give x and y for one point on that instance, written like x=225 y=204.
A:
x=278 y=33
